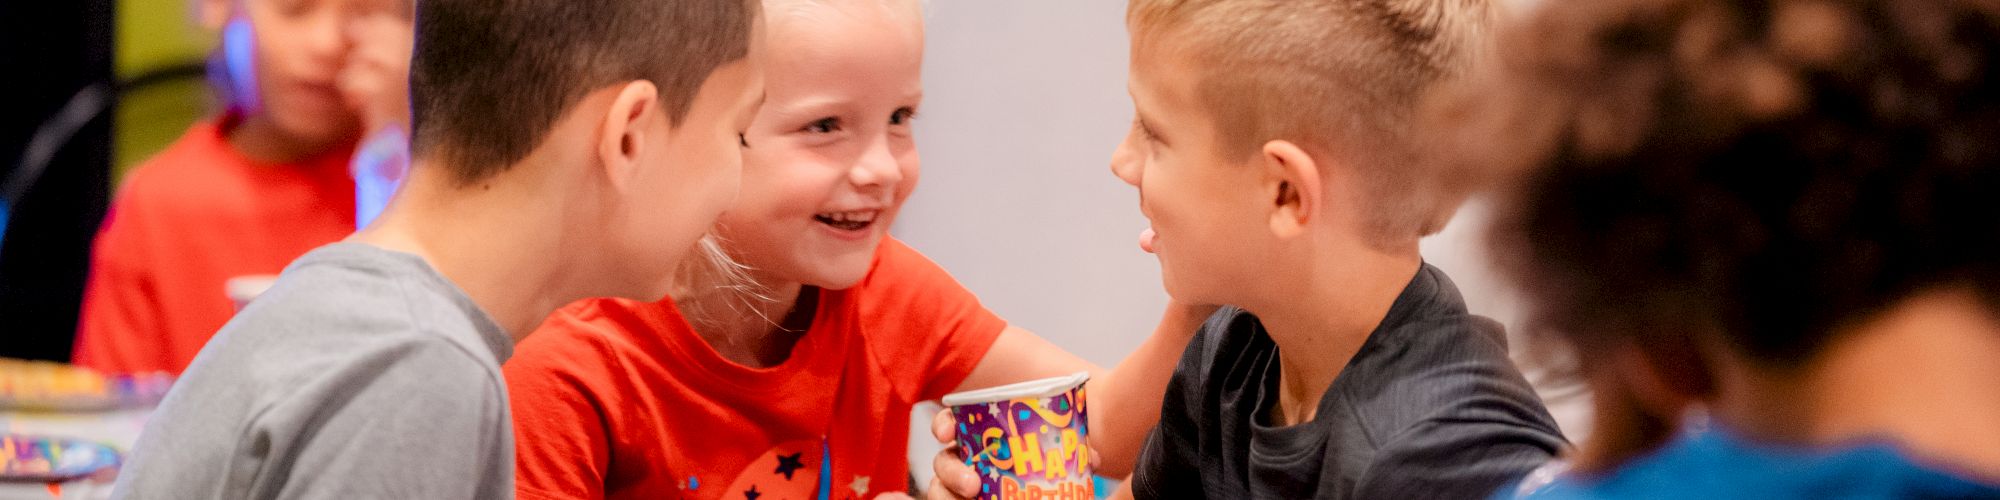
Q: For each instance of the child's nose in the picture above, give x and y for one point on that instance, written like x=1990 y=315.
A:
x=877 y=166
x=324 y=34
x=1125 y=161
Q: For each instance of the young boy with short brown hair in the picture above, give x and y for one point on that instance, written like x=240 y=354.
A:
x=1276 y=155
x=563 y=150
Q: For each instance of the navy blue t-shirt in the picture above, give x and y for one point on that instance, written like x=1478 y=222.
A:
x=1715 y=463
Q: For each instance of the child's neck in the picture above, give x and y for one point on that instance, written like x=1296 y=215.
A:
x=1921 y=375
x=1320 y=320
x=750 y=331
x=493 y=239
x=260 y=140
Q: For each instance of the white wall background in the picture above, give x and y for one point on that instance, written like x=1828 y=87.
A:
x=1024 y=102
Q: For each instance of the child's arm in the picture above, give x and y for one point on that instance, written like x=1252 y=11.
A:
x=1127 y=395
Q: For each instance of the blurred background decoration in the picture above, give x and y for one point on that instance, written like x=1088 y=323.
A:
x=98 y=85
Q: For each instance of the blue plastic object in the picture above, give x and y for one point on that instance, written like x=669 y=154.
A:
x=378 y=168
x=239 y=53
x=4 y=209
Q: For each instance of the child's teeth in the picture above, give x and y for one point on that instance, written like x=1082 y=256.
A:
x=848 y=220
x=862 y=216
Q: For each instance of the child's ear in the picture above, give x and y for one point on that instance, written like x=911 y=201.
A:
x=626 y=131
x=1293 y=187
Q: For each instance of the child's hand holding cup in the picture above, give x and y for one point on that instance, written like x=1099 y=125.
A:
x=1029 y=440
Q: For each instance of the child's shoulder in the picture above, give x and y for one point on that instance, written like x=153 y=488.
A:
x=328 y=320
x=598 y=325
x=1430 y=318
x=201 y=148
x=1435 y=362
x=895 y=261
x=902 y=277
x=1229 y=335
x=593 y=337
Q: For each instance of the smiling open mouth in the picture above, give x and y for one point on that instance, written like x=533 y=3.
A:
x=848 y=221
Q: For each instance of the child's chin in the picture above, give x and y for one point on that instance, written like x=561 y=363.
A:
x=327 y=131
x=839 y=275
x=1183 y=292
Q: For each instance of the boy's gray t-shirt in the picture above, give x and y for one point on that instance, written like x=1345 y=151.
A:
x=1429 y=407
x=362 y=373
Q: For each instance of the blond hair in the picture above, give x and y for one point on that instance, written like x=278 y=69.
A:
x=715 y=286
x=1339 y=77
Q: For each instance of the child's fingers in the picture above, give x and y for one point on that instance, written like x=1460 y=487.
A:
x=381 y=42
x=957 y=479
x=956 y=476
x=894 y=495
x=942 y=428
x=937 y=491
x=375 y=76
x=356 y=86
x=381 y=30
x=361 y=87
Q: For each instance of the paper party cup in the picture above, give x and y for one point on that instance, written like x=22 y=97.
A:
x=1029 y=440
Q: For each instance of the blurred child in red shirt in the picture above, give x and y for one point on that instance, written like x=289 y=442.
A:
x=244 y=194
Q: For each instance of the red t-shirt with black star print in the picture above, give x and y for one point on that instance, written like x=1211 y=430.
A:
x=619 y=399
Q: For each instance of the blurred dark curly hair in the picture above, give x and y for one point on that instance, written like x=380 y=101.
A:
x=1769 y=172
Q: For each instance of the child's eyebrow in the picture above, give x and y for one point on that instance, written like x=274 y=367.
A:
x=811 y=106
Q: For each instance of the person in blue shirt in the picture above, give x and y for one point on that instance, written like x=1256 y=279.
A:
x=1781 y=215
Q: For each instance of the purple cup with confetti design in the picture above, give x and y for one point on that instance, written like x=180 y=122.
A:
x=1029 y=440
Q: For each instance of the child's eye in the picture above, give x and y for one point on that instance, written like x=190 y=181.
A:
x=902 y=116
x=823 y=126
x=1146 y=132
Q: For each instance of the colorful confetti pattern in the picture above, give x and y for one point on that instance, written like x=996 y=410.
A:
x=1028 y=448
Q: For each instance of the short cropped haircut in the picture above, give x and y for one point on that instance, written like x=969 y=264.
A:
x=1339 y=77
x=489 y=78
x=1766 y=173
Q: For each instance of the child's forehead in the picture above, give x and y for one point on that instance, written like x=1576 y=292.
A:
x=901 y=12
x=1169 y=75
x=840 y=79
x=807 y=17
x=828 y=43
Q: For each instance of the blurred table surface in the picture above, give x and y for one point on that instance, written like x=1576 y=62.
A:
x=118 y=428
